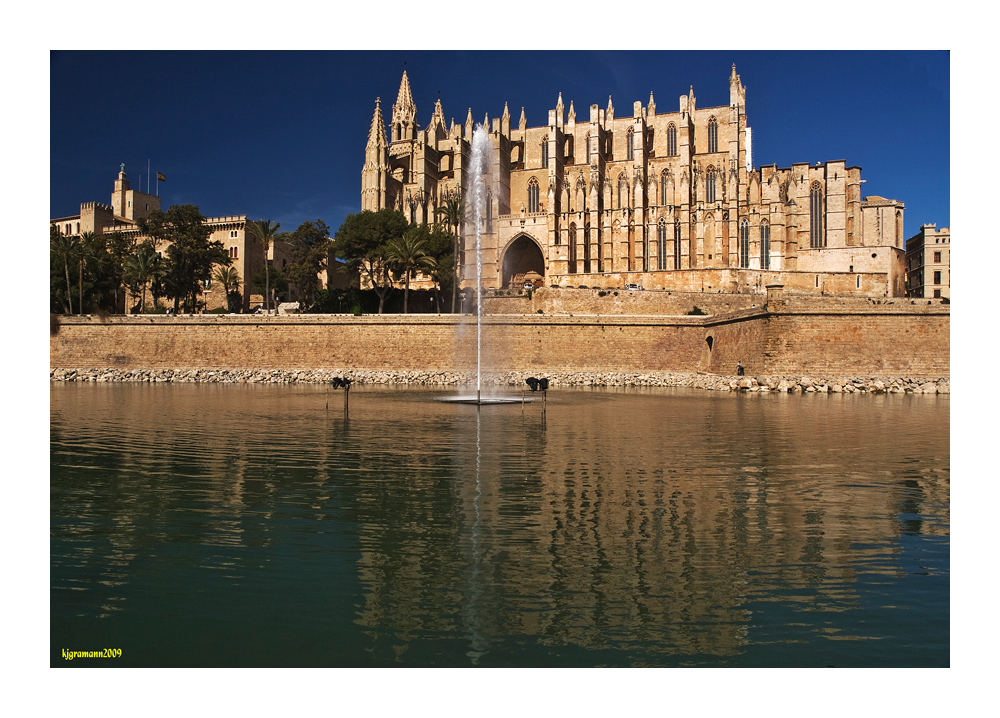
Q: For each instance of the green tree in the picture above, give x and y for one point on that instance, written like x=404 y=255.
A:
x=64 y=248
x=309 y=251
x=191 y=254
x=361 y=242
x=141 y=268
x=87 y=254
x=115 y=248
x=230 y=280
x=451 y=213
x=279 y=282
x=407 y=256
x=440 y=247
x=265 y=230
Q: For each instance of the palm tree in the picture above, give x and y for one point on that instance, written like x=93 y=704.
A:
x=85 y=253
x=264 y=230
x=451 y=212
x=230 y=280
x=408 y=255
x=66 y=247
x=141 y=267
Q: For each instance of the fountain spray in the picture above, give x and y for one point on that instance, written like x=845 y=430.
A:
x=480 y=166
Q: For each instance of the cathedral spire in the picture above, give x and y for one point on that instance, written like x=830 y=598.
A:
x=404 y=112
x=405 y=98
x=376 y=133
x=651 y=107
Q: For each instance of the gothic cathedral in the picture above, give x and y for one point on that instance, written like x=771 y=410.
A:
x=658 y=199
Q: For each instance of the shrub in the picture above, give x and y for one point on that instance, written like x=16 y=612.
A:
x=698 y=312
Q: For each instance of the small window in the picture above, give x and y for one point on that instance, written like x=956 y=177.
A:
x=937 y=293
x=937 y=277
x=937 y=258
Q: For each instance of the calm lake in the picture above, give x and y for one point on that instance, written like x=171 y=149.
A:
x=255 y=525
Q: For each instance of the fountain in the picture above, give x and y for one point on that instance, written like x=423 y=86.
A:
x=476 y=199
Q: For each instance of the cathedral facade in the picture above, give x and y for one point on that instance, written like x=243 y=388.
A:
x=655 y=198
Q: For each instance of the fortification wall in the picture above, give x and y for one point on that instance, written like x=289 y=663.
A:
x=618 y=302
x=817 y=338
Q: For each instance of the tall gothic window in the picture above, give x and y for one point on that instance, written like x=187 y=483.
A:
x=588 y=149
x=545 y=152
x=672 y=140
x=663 y=187
x=661 y=245
x=817 y=237
x=713 y=135
x=622 y=192
x=765 y=245
x=677 y=244
x=630 y=144
x=710 y=185
x=744 y=244
x=571 y=241
x=532 y=195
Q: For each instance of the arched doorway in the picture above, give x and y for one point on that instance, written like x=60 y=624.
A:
x=523 y=260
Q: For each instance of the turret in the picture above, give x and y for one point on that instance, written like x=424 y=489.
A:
x=376 y=169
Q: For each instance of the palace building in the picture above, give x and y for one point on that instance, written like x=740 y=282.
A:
x=658 y=198
x=245 y=249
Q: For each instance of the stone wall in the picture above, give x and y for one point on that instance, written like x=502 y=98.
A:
x=791 y=336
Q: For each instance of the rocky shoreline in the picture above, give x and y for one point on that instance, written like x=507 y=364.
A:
x=711 y=382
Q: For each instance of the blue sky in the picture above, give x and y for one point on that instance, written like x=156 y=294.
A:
x=281 y=134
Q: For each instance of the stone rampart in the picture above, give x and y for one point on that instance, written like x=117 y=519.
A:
x=791 y=336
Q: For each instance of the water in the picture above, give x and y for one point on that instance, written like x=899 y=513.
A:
x=241 y=525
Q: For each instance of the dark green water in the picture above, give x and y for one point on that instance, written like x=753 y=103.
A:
x=211 y=525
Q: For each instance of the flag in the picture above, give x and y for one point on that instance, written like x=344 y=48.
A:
x=160 y=177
